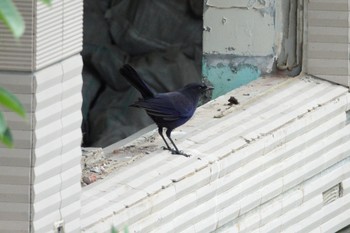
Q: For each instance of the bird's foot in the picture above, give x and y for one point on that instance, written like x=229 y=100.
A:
x=176 y=152
x=179 y=152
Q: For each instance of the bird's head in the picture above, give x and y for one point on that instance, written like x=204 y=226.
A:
x=197 y=88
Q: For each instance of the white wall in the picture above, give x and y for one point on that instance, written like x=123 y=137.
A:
x=327 y=40
x=241 y=28
x=40 y=175
x=239 y=42
x=261 y=166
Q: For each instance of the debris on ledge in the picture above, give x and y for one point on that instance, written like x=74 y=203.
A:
x=98 y=163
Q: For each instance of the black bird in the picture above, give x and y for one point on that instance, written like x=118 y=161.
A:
x=168 y=110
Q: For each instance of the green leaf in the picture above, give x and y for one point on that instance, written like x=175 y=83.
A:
x=6 y=138
x=114 y=230
x=47 y=2
x=11 y=102
x=11 y=18
x=3 y=125
x=126 y=230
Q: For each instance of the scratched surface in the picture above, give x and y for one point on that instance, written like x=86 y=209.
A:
x=226 y=78
x=242 y=27
x=238 y=42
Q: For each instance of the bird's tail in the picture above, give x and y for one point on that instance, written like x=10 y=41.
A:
x=136 y=81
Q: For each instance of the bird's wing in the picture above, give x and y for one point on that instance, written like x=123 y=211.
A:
x=169 y=106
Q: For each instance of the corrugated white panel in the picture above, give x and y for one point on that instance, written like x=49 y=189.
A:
x=48 y=33
x=17 y=82
x=328 y=51
x=327 y=47
x=58 y=31
x=73 y=28
x=337 y=67
x=325 y=18
x=246 y=172
x=56 y=188
x=335 y=5
x=43 y=169
x=327 y=34
x=18 y=54
x=310 y=214
x=52 y=34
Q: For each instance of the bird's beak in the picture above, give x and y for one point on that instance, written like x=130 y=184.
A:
x=209 y=88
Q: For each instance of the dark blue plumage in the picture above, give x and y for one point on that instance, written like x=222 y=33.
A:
x=168 y=110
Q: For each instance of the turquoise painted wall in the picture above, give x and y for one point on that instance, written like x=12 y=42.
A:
x=226 y=77
x=239 y=42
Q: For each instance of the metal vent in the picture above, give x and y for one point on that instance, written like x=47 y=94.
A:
x=332 y=194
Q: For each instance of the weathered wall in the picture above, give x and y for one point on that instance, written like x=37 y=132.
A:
x=243 y=28
x=238 y=41
x=245 y=39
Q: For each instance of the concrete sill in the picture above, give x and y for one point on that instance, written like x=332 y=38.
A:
x=237 y=163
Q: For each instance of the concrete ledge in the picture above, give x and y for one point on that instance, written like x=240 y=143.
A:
x=258 y=166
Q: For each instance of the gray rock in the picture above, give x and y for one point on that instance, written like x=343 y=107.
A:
x=140 y=27
x=107 y=60
x=161 y=39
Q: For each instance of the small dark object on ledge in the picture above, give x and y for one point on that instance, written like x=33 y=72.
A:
x=232 y=100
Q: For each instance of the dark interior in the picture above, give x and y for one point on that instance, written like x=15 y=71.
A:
x=161 y=39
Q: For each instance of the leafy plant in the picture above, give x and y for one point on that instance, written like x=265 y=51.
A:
x=12 y=18
x=114 y=230
x=10 y=102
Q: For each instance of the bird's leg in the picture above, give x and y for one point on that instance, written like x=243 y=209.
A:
x=176 y=151
x=160 y=131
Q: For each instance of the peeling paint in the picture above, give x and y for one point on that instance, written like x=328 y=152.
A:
x=289 y=36
x=264 y=63
x=250 y=31
x=238 y=43
x=244 y=4
x=264 y=6
x=223 y=20
x=230 y=49
x=226 y=77
x=207 y=29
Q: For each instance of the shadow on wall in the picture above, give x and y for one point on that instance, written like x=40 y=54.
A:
x=161 y=39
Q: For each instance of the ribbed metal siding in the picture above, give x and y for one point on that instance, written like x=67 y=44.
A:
x=18 y=54
x=52 y=34
x=327 y=48
x=262 y=167
x=40 y=176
